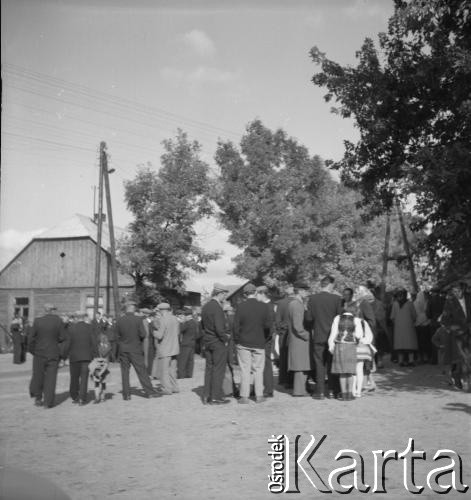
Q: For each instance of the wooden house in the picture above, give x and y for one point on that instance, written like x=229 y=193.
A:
x=58 y=267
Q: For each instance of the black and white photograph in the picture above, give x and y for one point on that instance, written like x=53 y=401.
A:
x=235 y=249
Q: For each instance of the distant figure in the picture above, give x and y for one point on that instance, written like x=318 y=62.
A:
x=403 y=316
x=47 y=333
x=18 y=338
x=130 y=333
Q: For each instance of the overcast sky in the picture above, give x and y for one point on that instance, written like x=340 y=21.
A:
x=129 y=72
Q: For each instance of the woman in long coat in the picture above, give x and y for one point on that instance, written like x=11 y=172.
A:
x=403 y=316
x=299 y=359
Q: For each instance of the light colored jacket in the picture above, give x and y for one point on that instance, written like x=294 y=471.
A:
x=167 y=336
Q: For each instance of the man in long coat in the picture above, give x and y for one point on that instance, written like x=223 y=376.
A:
x=322 y=308
x=282 y=319
x=299 y=359
x=45 y=336
x=130 y=333
x=215 y=340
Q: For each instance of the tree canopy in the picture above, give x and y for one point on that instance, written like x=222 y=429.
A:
x=160 y=247
x=290 y=218
x=411 y=103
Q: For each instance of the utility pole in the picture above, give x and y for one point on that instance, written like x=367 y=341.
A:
x=384 y=272
x=415 y=286
x=114 y=270
x=98 y=238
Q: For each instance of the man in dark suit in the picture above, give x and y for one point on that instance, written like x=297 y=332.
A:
x=322 y=308
x=45 y=336
x=81 y=349
x=130 y=334
x=251 y=321
x=188 y=334
x=215 y=339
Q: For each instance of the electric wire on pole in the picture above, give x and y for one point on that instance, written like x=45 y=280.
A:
x=114 y=271
x=99 y=218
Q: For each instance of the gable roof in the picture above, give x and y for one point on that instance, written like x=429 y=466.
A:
x=79 y=226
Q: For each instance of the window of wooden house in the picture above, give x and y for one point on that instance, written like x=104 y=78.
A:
x=22 y=306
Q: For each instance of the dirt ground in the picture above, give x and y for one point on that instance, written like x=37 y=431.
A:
x=174 y=447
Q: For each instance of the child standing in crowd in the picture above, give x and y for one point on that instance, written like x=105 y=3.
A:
x=99 y=368
x=344 y=334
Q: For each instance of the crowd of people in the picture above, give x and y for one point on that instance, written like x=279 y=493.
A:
x=321 y=345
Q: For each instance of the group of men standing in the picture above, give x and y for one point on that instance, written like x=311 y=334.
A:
x=50 y=340
x=299 y=324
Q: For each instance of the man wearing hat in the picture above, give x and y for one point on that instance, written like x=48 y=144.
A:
x=188 y=334
x=130 y=333
x=299 y=357
x=215 y=339
x=46 y=335
x=322 y=308
x=168 y=348
x=81 y=349
x=252 y=320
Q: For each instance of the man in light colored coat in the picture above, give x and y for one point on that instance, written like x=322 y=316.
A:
x=168 y=348
x=299 y=359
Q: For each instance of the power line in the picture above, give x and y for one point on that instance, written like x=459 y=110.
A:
x=115 y=102
x=72 y=146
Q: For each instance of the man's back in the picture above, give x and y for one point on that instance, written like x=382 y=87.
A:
x=322 y=308
x=130 y=330
x=251 y=320
x=282 y=314
x=213 y=322
x=167 y=334
x=189 y=332
x=81 y=342
x=46 y=334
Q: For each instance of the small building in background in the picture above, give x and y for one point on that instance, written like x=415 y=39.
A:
x=58 y=267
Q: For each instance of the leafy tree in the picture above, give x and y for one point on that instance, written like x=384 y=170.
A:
x=412 y=107
x=290 y=218
x=160 y=247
